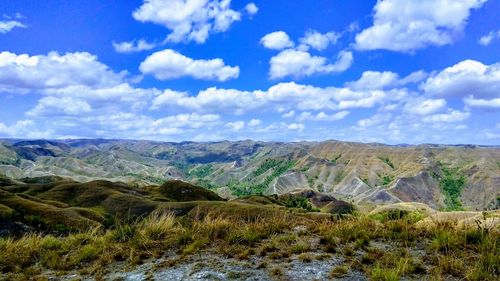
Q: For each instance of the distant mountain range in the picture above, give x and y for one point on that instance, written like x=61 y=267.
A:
x=450 y=177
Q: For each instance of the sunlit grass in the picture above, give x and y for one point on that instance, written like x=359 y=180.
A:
x=471 y=254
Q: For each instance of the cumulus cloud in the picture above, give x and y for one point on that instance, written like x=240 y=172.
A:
x=72 y=84
x=133 y=46
x=376 y=80
x=296 y=126
x=189 y=20
x=425 y=106
x=406 y=26
x=277 y=40
x=71 y=106
x=488 y=38
x=251 y=8
x=19 y=73
x=23 y=129
x=322 y=116
x=235 y=126
x=374 y=120
x=491 y=103
x=7 y=25
x=465 y=78
x=254 y=122
x=164 y=98
x=84 y=101
x=288 y=114
x=56 y=105
x=450 y=117
x=212 y=100
x=287 y=96
x=131 y=125
x=192 y=120
x=319 y=41
x=169 y=64
x=297 y=63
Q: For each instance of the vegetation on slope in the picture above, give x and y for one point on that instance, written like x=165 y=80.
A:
x=451 y=182
x=201 y=171
x=387 y=161
x=444 y=252
x=386 y=179
x=334 y=160
x=301 y=203
x=250 y=187
x=183 y=191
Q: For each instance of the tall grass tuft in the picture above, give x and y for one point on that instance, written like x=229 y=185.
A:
x=157 y=226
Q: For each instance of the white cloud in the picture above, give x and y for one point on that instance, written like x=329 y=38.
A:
x=212 y=100
x=322 y=116
x=235 y=126
x=452 y=116
x=367 y=99
x=19 y=73
x=133 y=46
x=130 y=125
x=488 y=38
x=23 y=129
x=319 y=41
x=298 y=63
x=277 y=40
x=165 y=97
x=113 y=107
x=83 y=100
x=289 y=114
x=169 y=64
x=465 y=78
x=251 y=8
x=53 y=105
x=72 y=84
x=353 y=27
x=286 y=96
x=374 y=120
x=189 y=20
x=296 y=126
x=405 y=26
x=7 y=25
x=491 y=103
x=425 y=106
x=413 y=77
x=192 y=120
x=375 y=80
x=254 y=122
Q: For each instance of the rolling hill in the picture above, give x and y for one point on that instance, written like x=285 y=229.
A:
x=441 y=176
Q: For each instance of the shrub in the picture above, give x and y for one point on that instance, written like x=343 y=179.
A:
x=157 y=226
x=301 y=203
x=305 y=257
x=451 y=183
x=339 y=271
x=87 y=253
x=384 y=274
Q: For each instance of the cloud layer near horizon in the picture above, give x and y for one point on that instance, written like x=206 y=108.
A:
x=77 y=94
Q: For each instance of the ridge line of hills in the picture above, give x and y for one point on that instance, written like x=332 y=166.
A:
x=70 y=140
x=445 y=177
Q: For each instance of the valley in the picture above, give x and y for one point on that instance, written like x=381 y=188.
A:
x=461 y=177
x=143 y=210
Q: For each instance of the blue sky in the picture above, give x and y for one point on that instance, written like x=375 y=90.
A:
x=390 y=71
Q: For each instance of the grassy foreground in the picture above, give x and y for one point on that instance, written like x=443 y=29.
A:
x=388 y=246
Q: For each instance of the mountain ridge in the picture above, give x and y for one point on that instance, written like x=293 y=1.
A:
x=442 y=176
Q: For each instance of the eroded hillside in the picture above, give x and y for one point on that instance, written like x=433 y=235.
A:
x=444 y=177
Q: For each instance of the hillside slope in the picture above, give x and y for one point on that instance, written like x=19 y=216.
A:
x=444 y=177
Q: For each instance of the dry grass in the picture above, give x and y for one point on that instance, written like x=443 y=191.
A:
x=471 y=254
